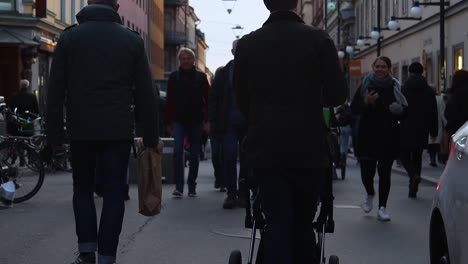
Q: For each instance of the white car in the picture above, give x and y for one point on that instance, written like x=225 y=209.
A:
x=449 y=219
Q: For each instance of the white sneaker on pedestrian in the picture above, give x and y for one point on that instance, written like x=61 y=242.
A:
x=382 y=214
x=367 y=204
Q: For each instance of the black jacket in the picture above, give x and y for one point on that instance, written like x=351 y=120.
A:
x=220 y=101
x=100 y=69
x=421 y=116
x=284 y=74
x=378 y=131
x=24 y=101
x=456 y=110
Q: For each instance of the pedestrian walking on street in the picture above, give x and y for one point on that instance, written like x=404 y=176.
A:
x=284 y=74
x=456 y=111
x=98 y=90
x=434 y=147
x=344 y=119
x=227 y=123
x=379 y=104
x=216 y=140
x=186 y=115
x=24 y=100
x=420 y=120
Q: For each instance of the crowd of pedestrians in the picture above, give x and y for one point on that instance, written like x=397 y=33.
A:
x=281 y=79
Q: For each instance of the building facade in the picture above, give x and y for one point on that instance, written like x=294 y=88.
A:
x=29 y=31
x=156 y=32
x=416 y=40
x=180 y=30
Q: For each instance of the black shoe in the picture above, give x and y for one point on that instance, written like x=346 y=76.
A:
x=85 y=258
x=230 y=202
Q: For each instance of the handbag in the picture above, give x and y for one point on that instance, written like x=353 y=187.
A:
x=149 y=178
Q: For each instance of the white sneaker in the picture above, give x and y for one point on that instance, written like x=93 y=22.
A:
x=382 y=214
x=368 y=203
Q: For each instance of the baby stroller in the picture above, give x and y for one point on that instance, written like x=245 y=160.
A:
x=324 y=224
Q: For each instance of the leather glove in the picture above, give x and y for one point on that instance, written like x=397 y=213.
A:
x=395 y=108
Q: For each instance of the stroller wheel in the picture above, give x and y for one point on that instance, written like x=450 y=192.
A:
x=333 y=260
x=235 y=257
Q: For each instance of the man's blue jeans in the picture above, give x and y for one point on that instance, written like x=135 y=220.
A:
x=113 y=160
x=345 y=133
x=193 y=132
x=231 y=142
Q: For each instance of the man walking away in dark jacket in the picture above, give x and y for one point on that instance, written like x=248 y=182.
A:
x=24 y=100
x=421 y=119
x=186 y=115
x=96 y=66
x=284 y=74
x=227 y=123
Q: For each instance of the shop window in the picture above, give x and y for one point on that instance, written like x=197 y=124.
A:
x=458 y=58
x=7 y=5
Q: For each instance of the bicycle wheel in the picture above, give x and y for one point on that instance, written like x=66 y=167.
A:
x=24 y=166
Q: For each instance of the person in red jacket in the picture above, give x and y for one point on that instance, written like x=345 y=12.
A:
x=186 y=115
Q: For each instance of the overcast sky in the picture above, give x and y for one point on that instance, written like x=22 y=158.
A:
x=217 y=25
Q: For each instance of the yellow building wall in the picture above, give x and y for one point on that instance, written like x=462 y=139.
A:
x=157 y=39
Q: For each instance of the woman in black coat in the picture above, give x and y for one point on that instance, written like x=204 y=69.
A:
x=456 y=110
x=378 y=103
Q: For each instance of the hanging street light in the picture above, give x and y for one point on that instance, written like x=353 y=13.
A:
x=229 y=5
x=237 y=30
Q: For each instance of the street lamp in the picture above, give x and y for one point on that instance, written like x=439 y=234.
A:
x=416 y=11
x=393 y=23
x=237 y=30
x=341 y=54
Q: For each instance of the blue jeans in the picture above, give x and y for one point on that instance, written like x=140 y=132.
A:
x=345 y=133
x=193 y=132
x=113 y=160
x=231 y=141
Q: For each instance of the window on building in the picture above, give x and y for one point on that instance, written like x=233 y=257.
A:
x=373 y=15
x=63 y=10
x=458 y=58
x=429 y=69
x=367 y=10
x=73 y=11
x=81 y=4
x=404 y=7
x=395 y=8
x=387 y=11
x=396 y=71
x=404 y=73
x=7 y=5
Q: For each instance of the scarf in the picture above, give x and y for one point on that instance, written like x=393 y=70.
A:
x=371 y=79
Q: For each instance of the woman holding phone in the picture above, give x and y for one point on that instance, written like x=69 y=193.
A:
x=378 y=104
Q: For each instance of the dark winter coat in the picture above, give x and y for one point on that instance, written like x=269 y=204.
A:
x=284 y=74
x=221 y=102
x=421 y=116
x=24 y=101
x=100 y=69
x=377 y=128
x=456 y=111
x=187 y=97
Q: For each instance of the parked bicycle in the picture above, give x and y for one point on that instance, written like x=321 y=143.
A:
x=21 y=163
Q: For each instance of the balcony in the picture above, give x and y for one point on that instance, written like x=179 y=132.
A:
x=175 y=2
x=175 y=38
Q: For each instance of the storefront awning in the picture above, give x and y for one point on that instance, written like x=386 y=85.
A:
x=10 y=37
